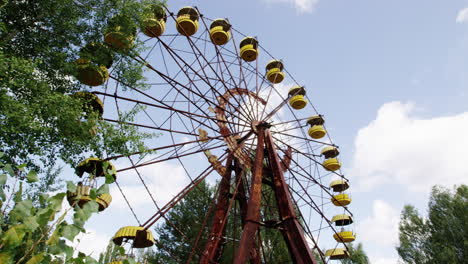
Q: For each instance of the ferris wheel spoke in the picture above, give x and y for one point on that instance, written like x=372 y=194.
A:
x=174 y=55
x=186 y=190
x=193 y=46
x=188 y=114
x=173 y=83
x=173 y=157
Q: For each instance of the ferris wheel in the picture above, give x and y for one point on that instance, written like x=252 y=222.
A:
x=224 y=109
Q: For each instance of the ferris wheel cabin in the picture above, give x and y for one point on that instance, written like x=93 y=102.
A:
x=155 y=25
x=297 y=100
x=248 y=49
x=274 y=71
x=187 y=21
x=220 y=31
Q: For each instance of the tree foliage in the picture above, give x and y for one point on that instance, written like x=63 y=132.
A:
x=39 y=42
x=39 y=233
x=442 y=236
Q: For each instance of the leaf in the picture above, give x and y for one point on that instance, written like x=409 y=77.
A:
x=31 y=224
x=21 y=210
x=70 y=232
x=32 y=176
x=3 y=179
x=36 y=259
x=103 y=189
x=109 y=178
x=93 y=194
x=13 y=236
x=55 y=202
x=6 y=258
x=129 y=261
x=9 y=169
x=71 y=187
x=18 y=196
x=54 y=238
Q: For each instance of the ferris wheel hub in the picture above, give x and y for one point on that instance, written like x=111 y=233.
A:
x=259 y=124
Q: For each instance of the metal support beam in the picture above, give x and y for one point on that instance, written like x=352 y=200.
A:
x=250 y=229
x=292 y=230
x=242 y=199
x=213 y=246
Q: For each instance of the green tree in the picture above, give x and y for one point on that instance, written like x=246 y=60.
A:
x=39 y=233
x=188 y=216
x=357 y=255
x=39 y=120
x=442 y=236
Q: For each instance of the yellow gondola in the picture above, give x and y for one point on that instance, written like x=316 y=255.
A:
x=120 y=33
x=97 y=53
x=248 y=49
x=337 y=253
x=316 y=129
x=155 y=25
x=342 y=219
x=330 y=152
x=332 y=164
x=274 y=71
x=141 y=238
x=187 y=21
x=220 y=31
x=341 y=199
x=339 y=185
x=91 y=103
x=344 y=236
x=119 y=40
x=81 y=197
x=90 y=74
x=297 y=100
x=95 y=167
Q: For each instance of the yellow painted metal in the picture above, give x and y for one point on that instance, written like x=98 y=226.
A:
x=342 y=219
x=186 y=26
x=344 y=236
x=317 y=132
x=92 y=102
x=297 y=102
x=94 y=166
x=341 y=199
x=332 y=164
x=81 y=197
x=297 y=90
x=90 y=74
x=219 y=36
x=141 y=238
x=248 y=53
x=104 y=201
x=337 y=253
x=248 y=49
x=275 y=75
x=316 y=120
x=119 y=40
x=274 y=64
x=339 y=185
x=330 y=152
x=154 y=27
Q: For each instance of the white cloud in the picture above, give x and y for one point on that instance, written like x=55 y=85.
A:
x=383 y=260
x=302 y=6
x=381 y=228
x=164 y=180
x=462 y=16
x=399 y=148
x=91 y=243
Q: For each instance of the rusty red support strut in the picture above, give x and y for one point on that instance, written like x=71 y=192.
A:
x=292 y=230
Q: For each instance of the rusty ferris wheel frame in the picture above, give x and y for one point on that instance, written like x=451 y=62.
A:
x=218 y=92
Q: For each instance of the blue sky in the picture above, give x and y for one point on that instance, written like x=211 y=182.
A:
x=390 y=78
